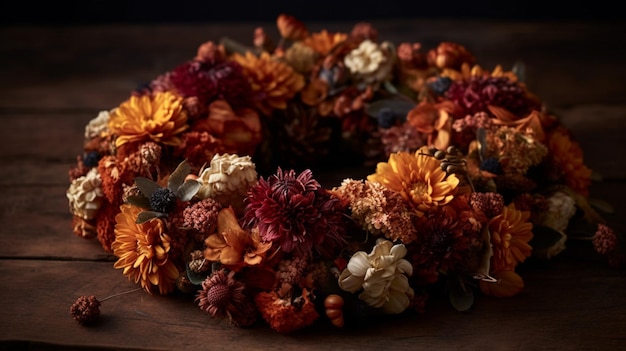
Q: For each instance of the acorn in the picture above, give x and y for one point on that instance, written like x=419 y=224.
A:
x=333 y=304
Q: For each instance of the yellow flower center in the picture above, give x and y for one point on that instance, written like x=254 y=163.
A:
x=418 y=191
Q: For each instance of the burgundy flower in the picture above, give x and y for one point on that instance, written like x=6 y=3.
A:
x=208 y=82
x=609 y=243
x=295 y=212
x=475 y=94
x=441 y=245
x=223 y=296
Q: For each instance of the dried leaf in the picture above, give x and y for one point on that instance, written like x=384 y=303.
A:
x=178 y=176
x=146 y=186
x=590 y=215
x=461 y=297
x=188 y=190
x=145 y=216
x=482 y=271
x=601 y=205
x=139 y=201
x=195 y=278
x=399 y=107
x=481 y=137
x=544 y=237
x=519 y=68
x=232 y=46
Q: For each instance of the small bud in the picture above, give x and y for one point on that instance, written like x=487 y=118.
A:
x=440 y=155
x=86 y=310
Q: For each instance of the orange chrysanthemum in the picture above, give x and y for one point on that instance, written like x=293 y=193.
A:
x=239 y=130
x=324 y=41
x=418 y=178
x=283 y=315
x=143 y=251
x=159 y=118
x=434 y=120
x=273 y=82
x=468 y=71
x=510 y=233
x=567 y=161
x=233 y=246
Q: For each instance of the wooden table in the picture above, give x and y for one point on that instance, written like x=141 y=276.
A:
x=55 y=79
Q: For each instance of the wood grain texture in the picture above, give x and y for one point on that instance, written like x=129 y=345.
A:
x=550 y=307
x=56 y=79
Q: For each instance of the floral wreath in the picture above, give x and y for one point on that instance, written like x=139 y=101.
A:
x=202 y=182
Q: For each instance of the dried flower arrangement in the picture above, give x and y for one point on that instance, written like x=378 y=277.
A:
x=201 y=183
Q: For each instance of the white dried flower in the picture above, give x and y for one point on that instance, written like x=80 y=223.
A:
x=365 y=59
x=227 y=179
x=85 y=195
x=561 y=208
x=97 y=126
x=382 y=276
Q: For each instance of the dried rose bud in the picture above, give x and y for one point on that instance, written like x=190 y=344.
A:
x=210 y=52
x=290 y=28
x=365 y=30
x=86 y=310
x=450 y=55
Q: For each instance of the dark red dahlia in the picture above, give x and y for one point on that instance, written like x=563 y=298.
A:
x=295 y=212
x=477 y=93
x=211 y=81
x=441 y=245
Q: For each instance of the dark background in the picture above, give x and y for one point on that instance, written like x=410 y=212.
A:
x=61 y=12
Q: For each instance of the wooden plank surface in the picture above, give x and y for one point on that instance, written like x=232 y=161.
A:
x=549 y=308
x=55 y=79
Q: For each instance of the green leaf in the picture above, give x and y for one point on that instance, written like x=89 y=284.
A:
x=461 y=297
x=187 y=191
x=139 y=201
x=178 y=176
x=145 y=216
x=146 y=186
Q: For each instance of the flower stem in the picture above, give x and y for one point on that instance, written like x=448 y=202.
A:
x=119 y=294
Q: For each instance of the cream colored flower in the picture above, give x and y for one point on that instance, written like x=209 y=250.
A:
x=97 y=126
x=382 y=275
x=561 y=208
x=85 y=195
x=365 y=59
x=228 y=179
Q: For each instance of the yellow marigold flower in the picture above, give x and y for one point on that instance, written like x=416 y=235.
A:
x=272 y=81
x=418 y=178
x=510 y=233
x=159 y=118
x=324 y=41
x=142 y=251
x=567 y=160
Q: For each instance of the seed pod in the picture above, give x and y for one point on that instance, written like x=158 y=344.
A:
x=455 y=169
x=440 y=155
